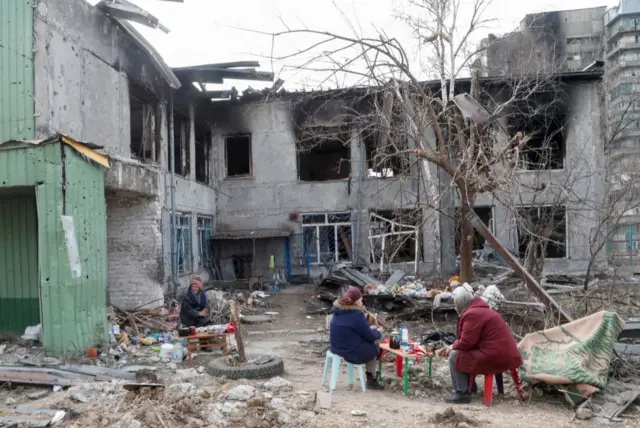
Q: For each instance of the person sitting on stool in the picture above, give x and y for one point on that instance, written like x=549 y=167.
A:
x=351 y=337
x=484 y=344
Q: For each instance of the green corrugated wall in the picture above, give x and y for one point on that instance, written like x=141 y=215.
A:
x=73 y=310
x=19 y=285
x=16 y=70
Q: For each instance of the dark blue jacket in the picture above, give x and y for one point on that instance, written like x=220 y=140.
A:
x=190 y=310
x=350 y=335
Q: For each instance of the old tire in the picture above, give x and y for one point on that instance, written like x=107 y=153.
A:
x=220 y=367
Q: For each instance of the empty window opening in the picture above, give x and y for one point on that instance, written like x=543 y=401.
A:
x=238 y=155
x=180 y=144
x=382 y=147
x=486 y=215
x=394 y=236
x=327 y=237
x=543 y=230
x=323 y=154
x=542 y=119
x=143 y=117
x=203 y=149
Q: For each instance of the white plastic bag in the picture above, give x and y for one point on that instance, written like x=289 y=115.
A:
x=32 y=333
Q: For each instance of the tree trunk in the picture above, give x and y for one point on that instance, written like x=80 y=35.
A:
x=466 y=245
x=587 y=275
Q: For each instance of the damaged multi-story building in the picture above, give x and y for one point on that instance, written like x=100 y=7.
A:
x=86 y=72
x=268 y=183
x=309 y=181
x=585 y=39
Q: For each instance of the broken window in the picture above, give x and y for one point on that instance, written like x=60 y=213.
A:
x=203 y=148
x=383 y=160
x=205 y=231
x=543 y=230
x=180 y=144
x=145 y=141
x=327 y=237
x=542 y=118
x=323 y=153
x=394 y=236
x=183 y=247
x=238 y=155
x=486 y=215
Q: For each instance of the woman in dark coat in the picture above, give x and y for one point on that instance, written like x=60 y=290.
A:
x=484 y=344
x=351 y=337
x=194 y=311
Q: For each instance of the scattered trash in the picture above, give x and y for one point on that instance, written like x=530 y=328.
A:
x=358 y=413
x=57 y=388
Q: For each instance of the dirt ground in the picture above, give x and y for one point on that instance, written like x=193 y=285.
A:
x=304 y=358
x=301 y=340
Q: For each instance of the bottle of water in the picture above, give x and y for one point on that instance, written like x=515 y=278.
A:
x=176 y=354
x=405 y=339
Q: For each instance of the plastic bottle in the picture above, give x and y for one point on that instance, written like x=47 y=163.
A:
x=405 y=339
x=176 y=354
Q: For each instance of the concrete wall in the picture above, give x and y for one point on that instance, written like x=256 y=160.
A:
x=583 y=174
x=83 y=66
x=265 y=200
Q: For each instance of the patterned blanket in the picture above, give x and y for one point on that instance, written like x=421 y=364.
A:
x=575 y=356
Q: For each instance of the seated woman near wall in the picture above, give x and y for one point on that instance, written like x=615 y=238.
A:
x=194 y=311
x=351 y=337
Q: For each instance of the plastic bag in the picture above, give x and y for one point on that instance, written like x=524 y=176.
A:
x=32 y=333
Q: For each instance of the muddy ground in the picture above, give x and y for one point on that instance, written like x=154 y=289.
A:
x=195 y=399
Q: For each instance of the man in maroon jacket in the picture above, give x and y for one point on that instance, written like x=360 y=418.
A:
x=484 y=344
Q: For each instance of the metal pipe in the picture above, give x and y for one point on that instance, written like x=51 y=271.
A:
x=172 y=171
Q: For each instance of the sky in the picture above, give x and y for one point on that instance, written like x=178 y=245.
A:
x=209 y=31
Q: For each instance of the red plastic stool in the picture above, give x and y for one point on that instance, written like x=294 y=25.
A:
x=488 y=385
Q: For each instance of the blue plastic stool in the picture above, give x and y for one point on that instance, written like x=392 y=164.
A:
x=335 y=361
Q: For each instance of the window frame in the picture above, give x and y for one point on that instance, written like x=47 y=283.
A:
x=205 y=232
x=183 y=224
x=315 y=225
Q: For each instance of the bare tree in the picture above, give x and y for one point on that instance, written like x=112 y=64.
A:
x=478 y=158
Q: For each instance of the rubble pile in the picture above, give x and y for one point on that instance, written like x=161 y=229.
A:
x=197 y=400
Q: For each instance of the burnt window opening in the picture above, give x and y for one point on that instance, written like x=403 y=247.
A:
x=382 y=150
x=203 y=150
x=238 y=155
x=143 y=117
x=323 y=154
x=400 y=229
x=543 y=229
x=180 y=144
x=486 y=215
x=542 y=120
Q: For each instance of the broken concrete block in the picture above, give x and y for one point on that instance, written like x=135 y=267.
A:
x=241 y=393
x=278 y=384
x=323 y=400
